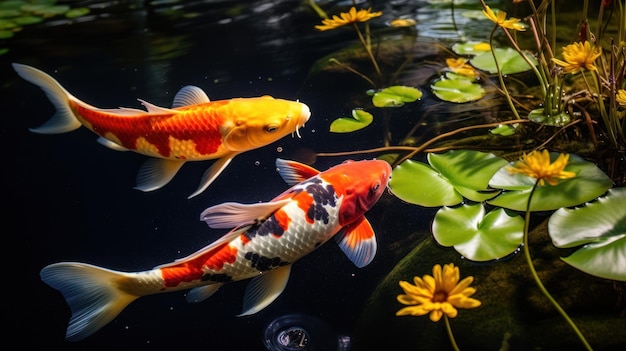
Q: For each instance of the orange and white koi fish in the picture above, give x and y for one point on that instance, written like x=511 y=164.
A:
x=268 y=238
x=194 y=129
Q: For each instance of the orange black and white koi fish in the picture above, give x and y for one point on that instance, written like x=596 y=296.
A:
x=266 y=240
x=194 y=129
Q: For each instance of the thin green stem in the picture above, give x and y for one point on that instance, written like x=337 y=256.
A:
x=337 y=62
x=368 y=48
x=450 y=335
x=543 y=289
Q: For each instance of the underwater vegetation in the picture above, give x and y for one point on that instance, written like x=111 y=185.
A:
x=553 y=151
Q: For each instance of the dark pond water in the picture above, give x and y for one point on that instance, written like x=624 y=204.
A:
x=68 y=198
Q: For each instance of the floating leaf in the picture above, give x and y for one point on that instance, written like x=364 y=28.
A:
x=346 y=125
x=77 y=12
x=504 y=130
x=589 y=183
x=395 y=96
x=558 y=119
x=477 y=236
x=509 y=61
x=419 y=184
x=6 y=34
x=25 y=20
x=3 y=51
x=468 y=171
x=457 y=90
x=471 y=47
x=7 y=24
x=600 y=226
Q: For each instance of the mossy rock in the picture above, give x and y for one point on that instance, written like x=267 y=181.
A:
x=514 y=314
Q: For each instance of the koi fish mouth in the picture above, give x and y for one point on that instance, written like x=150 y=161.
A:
x=304 y=117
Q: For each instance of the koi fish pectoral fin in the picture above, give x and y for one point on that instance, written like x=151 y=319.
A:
x=294 y=172
x=211 y=174
x=111 y=145
x=155 y=173
x=202 y=293
x=264 y=289
x=233 y=214
x=358 y=241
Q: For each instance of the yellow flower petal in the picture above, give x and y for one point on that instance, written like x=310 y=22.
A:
x=578 y=56
x=439 y=294
x=537 y=165
x=345 y=18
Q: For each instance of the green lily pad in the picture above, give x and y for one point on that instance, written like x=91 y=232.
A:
x=77 y=12
x=3 y=51
x=395 y=96
x=419 y=184
x=26 y=20
x=600 y=227
x=589 y=183
x=8 y=24
x=346 y=125
x=468 y=171
x=471 y=47
x=509 y=60
x=6 y=34
x=457 y=90
x=558 y=119
x=504 y=130
x=477 y=236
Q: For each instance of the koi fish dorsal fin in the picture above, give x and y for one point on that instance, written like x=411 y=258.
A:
x=157 y=109
x=264 y=289
x=358 y=241
x=189 y=95
x=233 y=214
x=294 y=172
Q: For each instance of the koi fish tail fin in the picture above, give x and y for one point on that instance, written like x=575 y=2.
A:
x=64 y=119
x=91 y=293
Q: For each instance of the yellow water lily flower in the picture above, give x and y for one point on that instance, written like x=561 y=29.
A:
x=537 y=165
x=500 y=19
x=620 y=97
x=437 y=294
x=403 y=22
x=578 y=56
x=349 y=17
x=460 y=66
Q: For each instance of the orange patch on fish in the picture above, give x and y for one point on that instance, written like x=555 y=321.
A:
x=305 y=201
x=283 y=219
x=193 y=269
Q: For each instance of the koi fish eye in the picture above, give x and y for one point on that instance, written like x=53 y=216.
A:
x=271 y=128
x=374 y=189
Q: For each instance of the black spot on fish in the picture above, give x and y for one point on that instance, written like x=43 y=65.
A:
x=270 y=226
x=322 y=196
x=218 y=278
x=263 y=263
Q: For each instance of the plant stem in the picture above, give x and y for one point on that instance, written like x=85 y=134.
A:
x=450 y=335
x=543 y=289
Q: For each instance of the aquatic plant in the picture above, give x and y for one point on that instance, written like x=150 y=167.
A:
x=353 y=17
x=438 y=296
x=382 y=97
x=537 y=165
x=15 y=14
